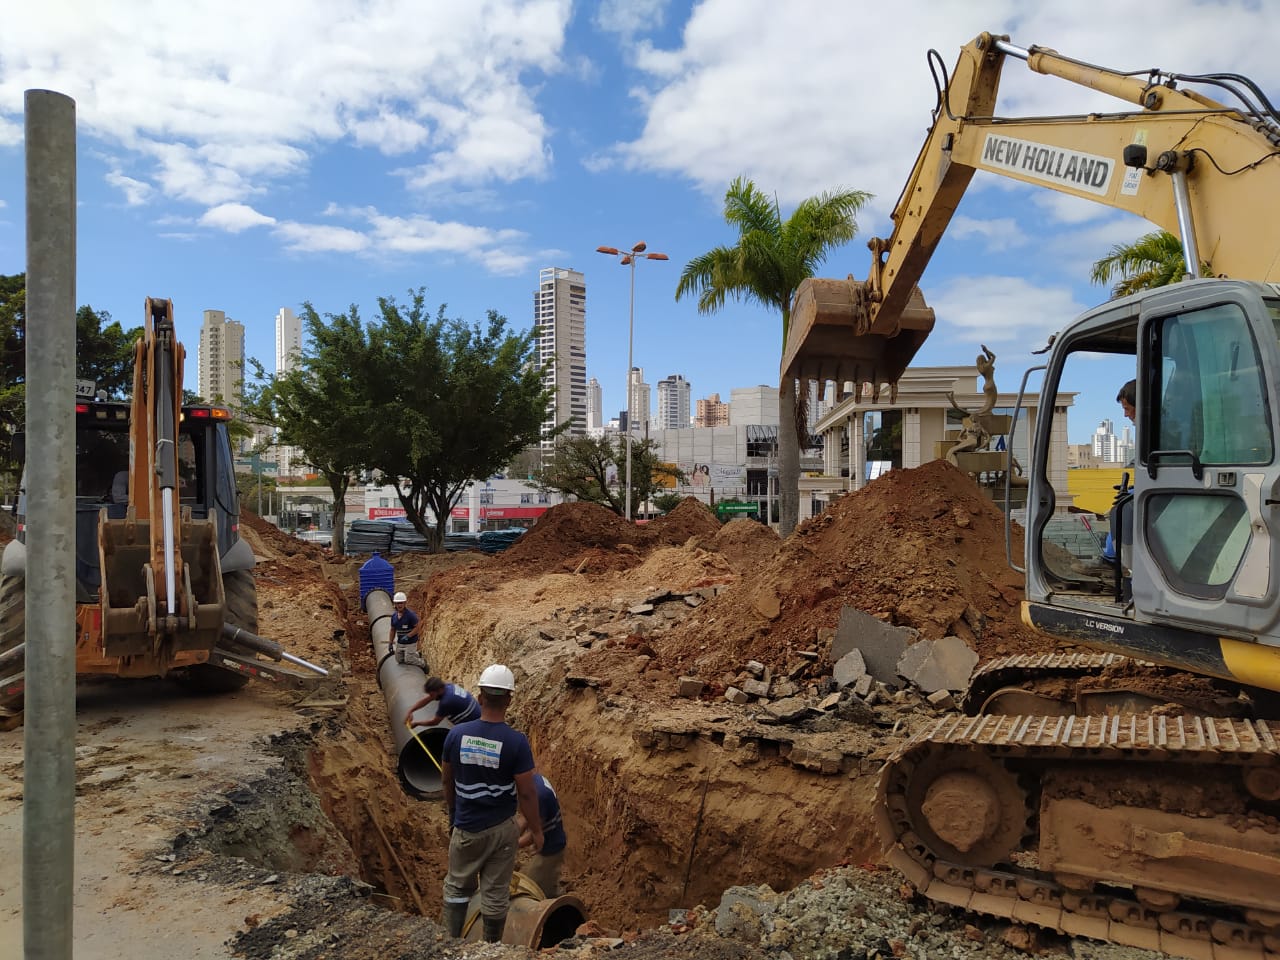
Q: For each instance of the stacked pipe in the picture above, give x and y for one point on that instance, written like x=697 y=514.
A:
x=418 y=749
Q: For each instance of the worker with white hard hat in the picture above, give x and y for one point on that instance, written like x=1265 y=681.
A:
x=405 y=627
x=487 y=774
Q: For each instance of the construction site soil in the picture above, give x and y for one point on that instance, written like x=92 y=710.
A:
x=271 y=823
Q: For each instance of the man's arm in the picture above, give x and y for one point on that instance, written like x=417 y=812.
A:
x=408 y=717
x=446 y=781
x=527 y=796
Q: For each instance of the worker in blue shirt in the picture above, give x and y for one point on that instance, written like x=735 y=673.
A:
x=405 y=628
x=544 y=867
x=456 y=704
x=487 y=774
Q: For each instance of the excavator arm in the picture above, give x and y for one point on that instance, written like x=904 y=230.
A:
x=1201 y=170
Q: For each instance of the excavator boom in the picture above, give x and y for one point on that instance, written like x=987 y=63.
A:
x=1178 y=159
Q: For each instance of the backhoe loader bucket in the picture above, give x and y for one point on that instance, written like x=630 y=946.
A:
x=134 y=624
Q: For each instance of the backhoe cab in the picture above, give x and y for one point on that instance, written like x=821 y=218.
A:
x=164 y=583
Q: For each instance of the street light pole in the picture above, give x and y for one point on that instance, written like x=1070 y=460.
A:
x=628 y=258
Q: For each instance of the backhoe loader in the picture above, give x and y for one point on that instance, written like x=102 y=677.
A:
x=164 y=583
x=1110 y=814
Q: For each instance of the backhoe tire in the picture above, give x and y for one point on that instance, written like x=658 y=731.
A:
x=242 y=610
x=13 y=624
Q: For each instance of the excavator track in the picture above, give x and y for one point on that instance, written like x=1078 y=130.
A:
x=958 y=803
x=1014 y=671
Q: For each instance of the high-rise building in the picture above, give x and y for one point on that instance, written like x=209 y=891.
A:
x=560 y=314
x=710 y=412
x=288 y=340
x=220 y=359
x=288 y=350
x=595 y=406
x=673 y=403
x=638 y=402
x=1106 y=446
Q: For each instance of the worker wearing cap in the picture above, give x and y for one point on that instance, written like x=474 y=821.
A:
x=405 y=627
x=456 y=705
x=487 y=775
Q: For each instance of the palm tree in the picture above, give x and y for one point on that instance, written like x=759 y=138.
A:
x=1153 y=260
x=766 y=265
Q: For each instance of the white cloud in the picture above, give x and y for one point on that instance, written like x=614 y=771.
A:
x=3 y=204
x=1008 y=313
x=629 y=17
x=320 y=238
x=136 y=192
x=996 y=235
x=808 y=95
x=234 y=217
x=213 y=102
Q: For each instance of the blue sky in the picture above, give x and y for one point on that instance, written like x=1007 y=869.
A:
x=247 y=156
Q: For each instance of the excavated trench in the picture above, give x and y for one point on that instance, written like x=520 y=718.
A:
x=663 y=812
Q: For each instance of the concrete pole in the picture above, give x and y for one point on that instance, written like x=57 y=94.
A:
x=48 y=806
x=631 y=336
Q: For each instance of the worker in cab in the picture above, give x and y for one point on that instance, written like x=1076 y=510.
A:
x=487 y=776
x=405 y=627
x=456 y=704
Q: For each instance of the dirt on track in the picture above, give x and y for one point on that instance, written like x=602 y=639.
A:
x=281 y=816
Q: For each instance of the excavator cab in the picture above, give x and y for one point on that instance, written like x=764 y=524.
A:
x=1197 y=539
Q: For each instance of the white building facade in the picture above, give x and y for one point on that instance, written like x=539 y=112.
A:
x=220 y=359
x=673 y=403
x=560 y=314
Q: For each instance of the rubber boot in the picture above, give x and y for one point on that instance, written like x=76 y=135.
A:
x=493 y=927
x=455 y=915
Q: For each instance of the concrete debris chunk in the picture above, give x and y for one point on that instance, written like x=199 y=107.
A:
x=849 y=669
x=693 y=600
x=741 y=911
x=785 y=688
x=734 y=695
x=755 y=668
x=942 y=699
x=788 y=710
x=809 y=655
x=756 y=688
x=881 y=643
x=829 y=701
x=933 y=665
x=640 y=608
x=863 y=685
x=689 y=687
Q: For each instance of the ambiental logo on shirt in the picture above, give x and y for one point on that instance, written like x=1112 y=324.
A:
x=480 y=751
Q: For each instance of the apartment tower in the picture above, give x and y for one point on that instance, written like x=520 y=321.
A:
x=595 y=406
x=220 y=359
x=673 y=403
x=710 y=412
x=560 y=314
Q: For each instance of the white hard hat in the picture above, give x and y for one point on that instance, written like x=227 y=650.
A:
x=400 y=597
x=497 y=677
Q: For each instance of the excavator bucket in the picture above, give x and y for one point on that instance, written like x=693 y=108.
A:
x=136 y=620
x=832 y=337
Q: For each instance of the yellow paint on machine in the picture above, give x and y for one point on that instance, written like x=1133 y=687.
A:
x=1252 y=663
x=1093 y=488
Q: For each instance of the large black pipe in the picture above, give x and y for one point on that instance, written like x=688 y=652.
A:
x=418 y=751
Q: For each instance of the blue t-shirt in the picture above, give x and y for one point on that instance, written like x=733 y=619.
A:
x=485 y=757
x=456 y=705
x=553 y=836
x=402 y=623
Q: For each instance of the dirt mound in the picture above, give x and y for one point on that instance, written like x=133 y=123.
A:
x=746 y=544
x=690 y=518
x=567 y=530
x=921 y=548
x=270 y=541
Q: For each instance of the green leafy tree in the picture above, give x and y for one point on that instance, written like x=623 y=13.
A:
x=1153 y=260
x=323 y=405
x=104 y=354
x=593 y=470
x=451 y=402
x=766 y=265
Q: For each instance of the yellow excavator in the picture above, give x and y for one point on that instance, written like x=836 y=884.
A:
x=164 y=583
x=1107 y=813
